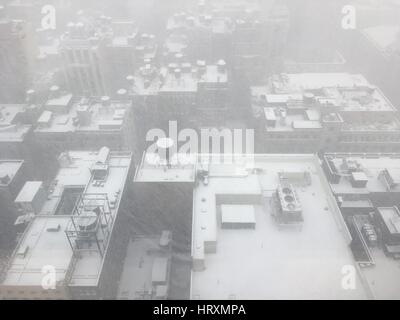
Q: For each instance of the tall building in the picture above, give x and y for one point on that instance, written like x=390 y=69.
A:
x=372 y=179
x=81 y=53
x=372 y=48
x=78 y=233
x=147 y=268
x=272 y=221
x=376 y=52
x=250 y=37
x=316 y=112
x=154 y=186
x=16 y=51
x=126 y=49
x=83 y=123
x=99 y=52
x=194 y=95
x=16 y=141
x=367 y=190
x=205 y=37
x=273 y=218
x=12 y=177
x=259 y=42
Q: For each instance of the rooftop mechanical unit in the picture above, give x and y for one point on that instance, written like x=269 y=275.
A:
x=289 y=209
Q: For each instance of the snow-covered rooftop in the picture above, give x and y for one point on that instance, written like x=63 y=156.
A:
x=8 y=170
x=372 y=165
x=268 y=262
x=11 y=128
x=84 y=115
x=52 y=248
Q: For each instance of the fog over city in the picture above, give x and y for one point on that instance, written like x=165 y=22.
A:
x=199 y=150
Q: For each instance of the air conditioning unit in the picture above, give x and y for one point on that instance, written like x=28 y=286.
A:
x=290 y=209
x=288 y=199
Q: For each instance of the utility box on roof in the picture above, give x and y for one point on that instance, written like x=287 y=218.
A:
x=31 y=198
